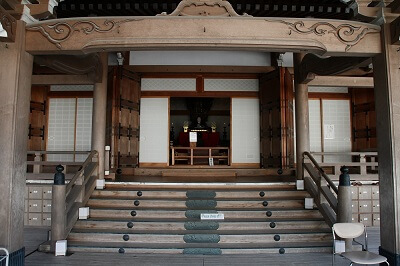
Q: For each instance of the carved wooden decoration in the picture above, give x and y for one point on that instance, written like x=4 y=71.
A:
x=346 y=33
x=333 y=37
x=214 y=8
x=9 y=24
x=60 y=32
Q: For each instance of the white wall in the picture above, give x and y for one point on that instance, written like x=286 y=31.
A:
x=245 y=130
x=154 y=143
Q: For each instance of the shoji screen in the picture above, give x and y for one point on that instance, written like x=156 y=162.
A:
x=154 y=135
x=245 y=131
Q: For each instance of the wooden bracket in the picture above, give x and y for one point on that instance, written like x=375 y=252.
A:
x=74 y=65
x=9 y=24
x=395 y=31
x=313 y=65
x=395 y=6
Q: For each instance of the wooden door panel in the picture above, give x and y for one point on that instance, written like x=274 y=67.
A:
x=126 y=137
x=37 y=118
x=364 y=119
x=277 y=134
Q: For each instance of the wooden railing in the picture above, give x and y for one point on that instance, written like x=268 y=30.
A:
x=190 y=154
x=363 y=166
x=321 y=188
x=67 y=199
x=41 y=168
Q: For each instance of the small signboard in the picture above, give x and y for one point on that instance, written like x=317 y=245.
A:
x=192 y=136
x=329 y=131
x=211 y=161
x=212 y=216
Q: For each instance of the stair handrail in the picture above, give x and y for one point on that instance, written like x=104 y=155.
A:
x=366 y=164
x=326 y=200
x=38 y=167
x=67 y=199
x=321 y=171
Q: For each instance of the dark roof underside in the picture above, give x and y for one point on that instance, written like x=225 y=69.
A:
x=333 y=9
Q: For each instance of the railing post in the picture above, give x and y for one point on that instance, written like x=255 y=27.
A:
x=344 y=201
x=58 y=207
x=363 y=168
x=37 y=168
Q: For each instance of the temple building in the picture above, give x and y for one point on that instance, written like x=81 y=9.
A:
x=198 y=126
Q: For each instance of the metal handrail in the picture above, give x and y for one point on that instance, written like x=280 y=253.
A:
x=6 y=257
x=58 y=152
x=321 y=171
x=346 y=153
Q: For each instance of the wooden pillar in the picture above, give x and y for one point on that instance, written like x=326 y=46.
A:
x=387 y=97
x=99 y=115
x=15 y=79
x=302 y=120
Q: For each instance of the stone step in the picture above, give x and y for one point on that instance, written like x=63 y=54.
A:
x=152 y=215
x=138 y=239
x=228 y=251
x=183 y=245
x=196 y=204
x=220 y=227
x=181 y=186
x=182 y=195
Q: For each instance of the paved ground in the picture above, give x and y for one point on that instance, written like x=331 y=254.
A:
x=34 y=236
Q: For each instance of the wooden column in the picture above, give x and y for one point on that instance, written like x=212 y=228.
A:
x=15 y=79
x=99 y=115
x=302 y=120
x=387 y=97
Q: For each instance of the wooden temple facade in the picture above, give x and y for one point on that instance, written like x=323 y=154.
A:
x=195 y=85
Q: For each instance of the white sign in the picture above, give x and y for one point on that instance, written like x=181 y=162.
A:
x=192 y=136
x=212 y=216
x=211 y=161
x=329 y=131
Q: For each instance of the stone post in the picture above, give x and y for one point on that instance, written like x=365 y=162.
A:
x=99 y=115
x=302 y=120
x=344 y=201
x=15 y=93
x=58 y=207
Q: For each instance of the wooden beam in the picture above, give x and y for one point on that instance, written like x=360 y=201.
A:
x=328 y=37
x=339 y=81
x=202 y=69
x=313 y=65
x=62 y=80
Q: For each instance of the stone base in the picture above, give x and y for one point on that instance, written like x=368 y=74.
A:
x=17 y=258
x=393 y=259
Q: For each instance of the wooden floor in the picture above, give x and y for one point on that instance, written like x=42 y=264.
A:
x=34 y=237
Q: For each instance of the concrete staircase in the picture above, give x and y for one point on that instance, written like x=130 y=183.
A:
x=259 y=218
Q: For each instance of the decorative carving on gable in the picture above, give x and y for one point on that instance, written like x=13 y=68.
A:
x=59 y=32
x=214 y=8
x=9 y=24
x=346 y=33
